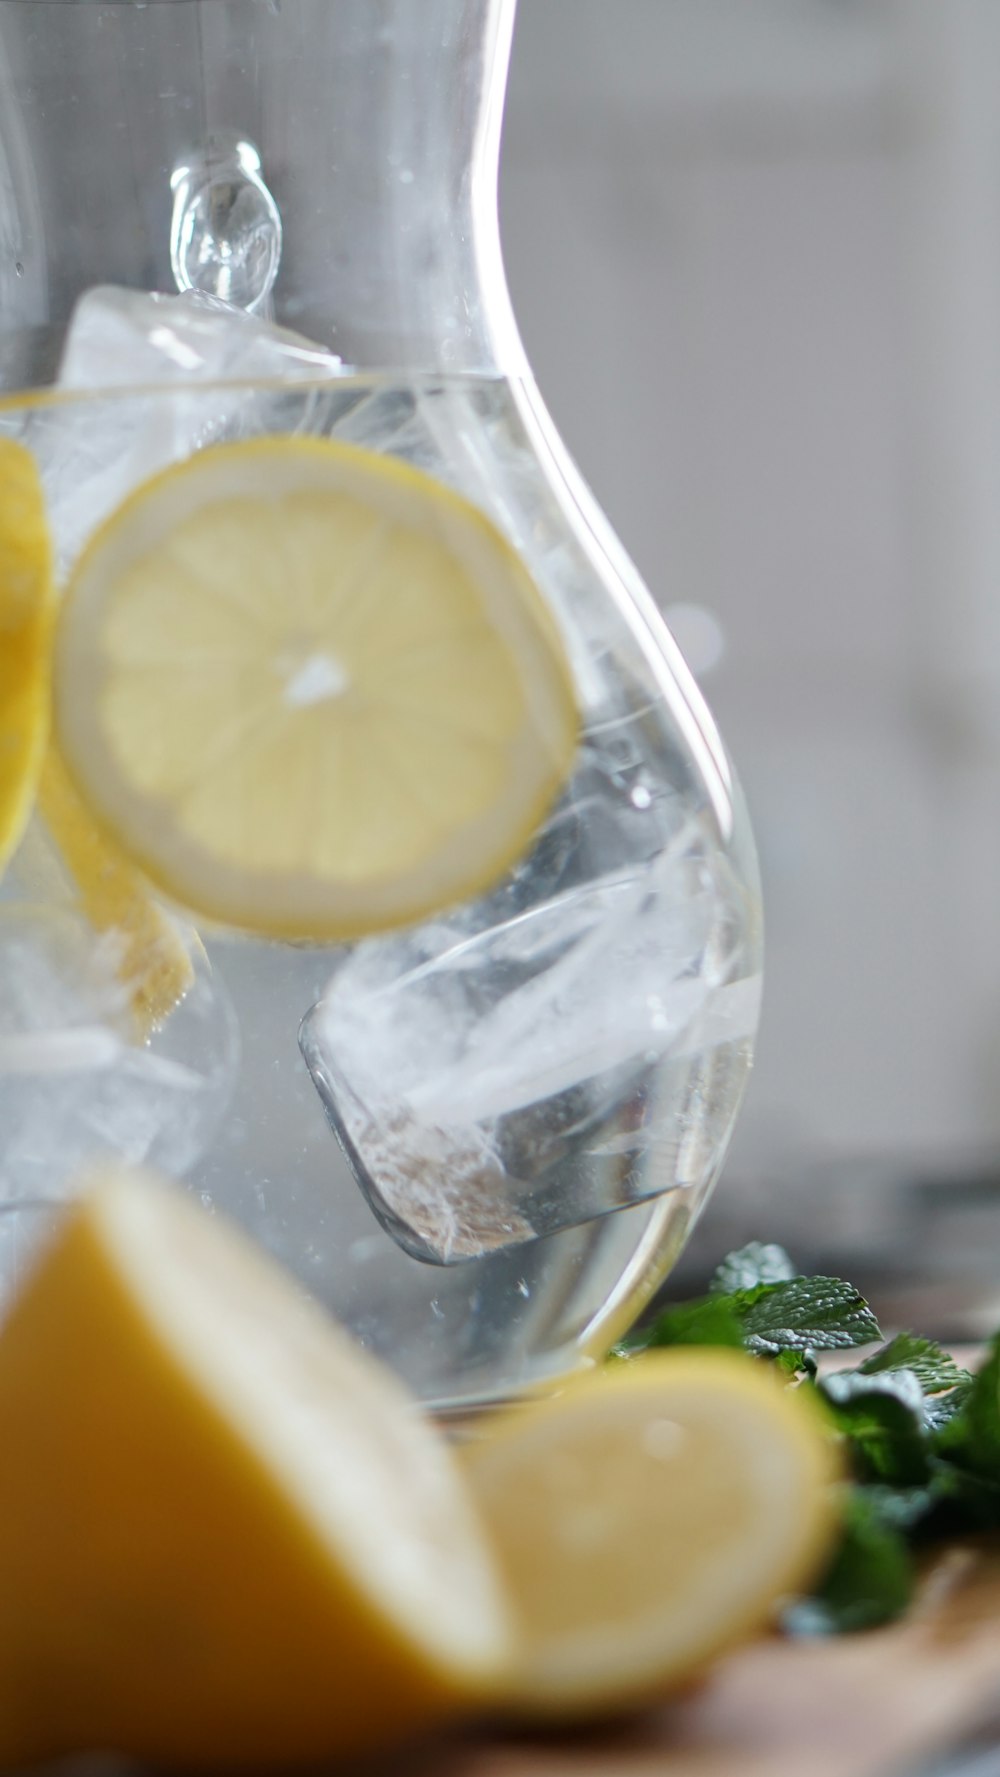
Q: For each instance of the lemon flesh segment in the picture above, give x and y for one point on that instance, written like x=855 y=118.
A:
x=646 y=1518
x=27 y=608
x=226 y=1534
x=310 y=690
x=153 y=961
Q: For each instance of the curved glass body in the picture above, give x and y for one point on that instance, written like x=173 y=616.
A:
x=481 y=1140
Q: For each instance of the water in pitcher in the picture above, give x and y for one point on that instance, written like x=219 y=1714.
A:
x=479 y=1138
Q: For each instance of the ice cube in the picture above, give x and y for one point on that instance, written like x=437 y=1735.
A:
x=74 y=1088
x=176 y=370
x=494 y=1082
x=139 y=338
x=392 y=419
x=24 y=1228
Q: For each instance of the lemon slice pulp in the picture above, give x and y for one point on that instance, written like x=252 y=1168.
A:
x=27 y=606
x=647 y=1517
x=310 y=690
x=226 y=1534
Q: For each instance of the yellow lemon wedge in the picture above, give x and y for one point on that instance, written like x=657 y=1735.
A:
x=27 y=608
x=226 y=1533
x=153 y=961
x=309 y=690
x=647 y=1517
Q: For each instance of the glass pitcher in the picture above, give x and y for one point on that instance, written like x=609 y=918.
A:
x=482 y=1136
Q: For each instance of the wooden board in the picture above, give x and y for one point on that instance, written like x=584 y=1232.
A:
x=857 y=1706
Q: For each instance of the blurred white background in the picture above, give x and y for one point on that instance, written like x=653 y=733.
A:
x=754 y=247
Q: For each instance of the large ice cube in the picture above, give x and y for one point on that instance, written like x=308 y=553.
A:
x=495 y=1081
x=177 y=371
x=140 y=338
x=74 y=1089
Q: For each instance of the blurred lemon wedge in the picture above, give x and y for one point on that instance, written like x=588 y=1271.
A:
x=27 y=609
x=226 y=1534
x=648 y=1516
x=310 y=690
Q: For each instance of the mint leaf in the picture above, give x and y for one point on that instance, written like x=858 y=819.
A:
x=798 y=1315
x=962 y=1503
x=708 y=1321
x=965 y=1440
x=871 y=1577
x=882 y=1417
x=751 y=1265
x=940 y=1408
x=804 y=1314
x=970 y=1439
x=934 y=1368
x=797 y=1363
x=898 y=1508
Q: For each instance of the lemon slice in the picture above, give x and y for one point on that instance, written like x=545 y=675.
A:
x=309 y=690
x=27 y=606
x=153 y=961
x=648 y=1516
x=226 y=1534
x=154 y=964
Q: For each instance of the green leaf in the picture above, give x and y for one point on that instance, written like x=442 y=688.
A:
x=882 y=1417
x=870 y=1579
x=962 y=1503
x=751 y=1265
x=934 y=1368
x=939 y=1409
x=898 y=1508
x=709 y=1321
x=798 y=1315
x=797 y=1363
x=804 y=1314
x=970 y=1439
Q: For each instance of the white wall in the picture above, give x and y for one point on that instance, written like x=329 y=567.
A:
x=752 y=246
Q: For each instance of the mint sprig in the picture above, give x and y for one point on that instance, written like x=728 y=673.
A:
x=934 y=1369
x=751 y=1265
x=804 y=1314
x=711 y=1320
x=882 y=1419
x=921 y=1436
x=872 y=1576
x=787 y=1317
x=970 y=1437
